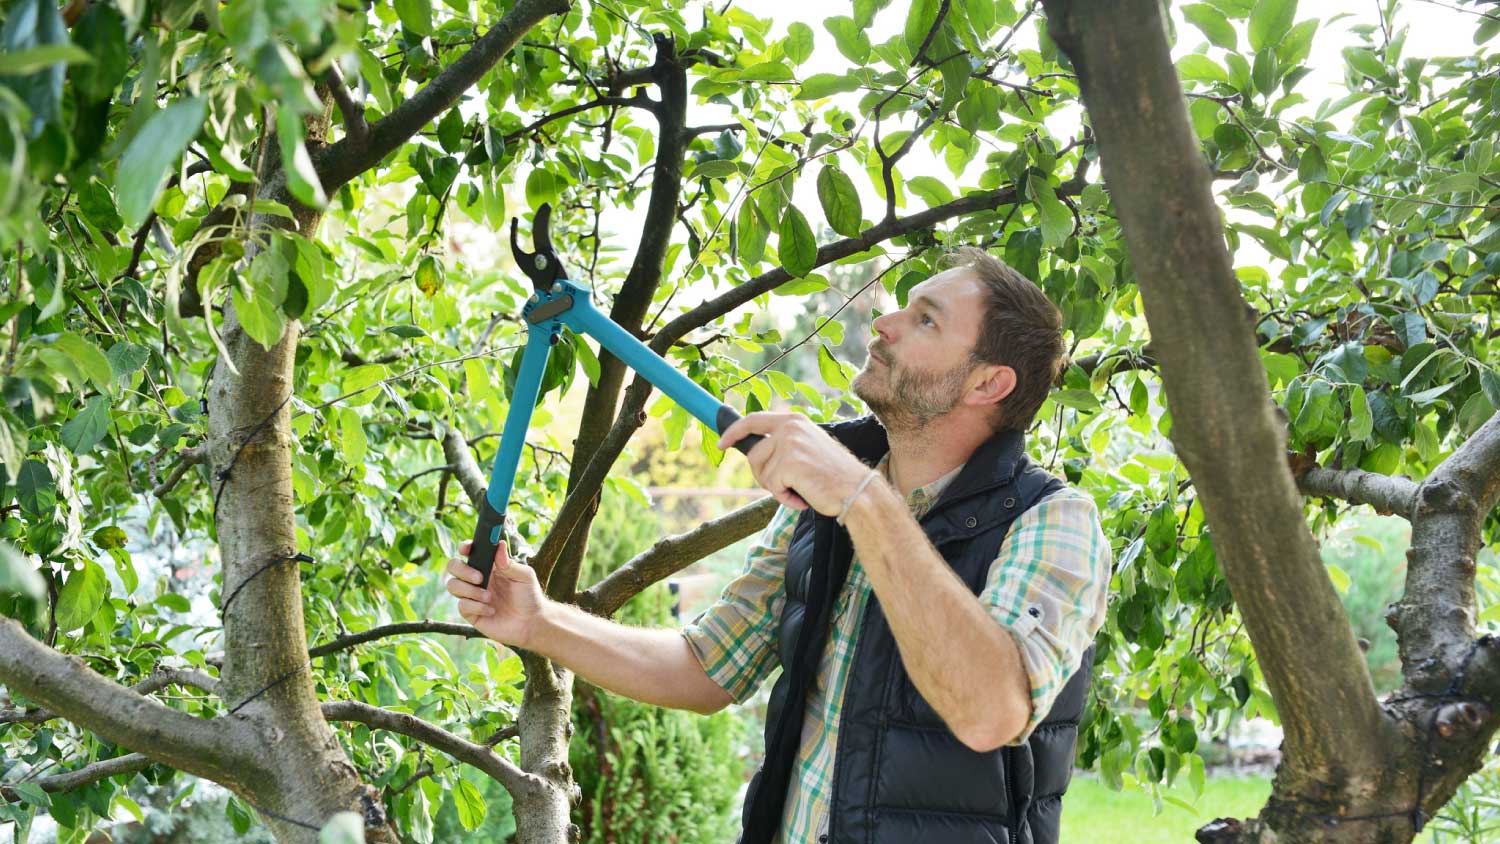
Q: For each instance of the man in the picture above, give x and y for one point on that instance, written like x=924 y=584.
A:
x=928 y=591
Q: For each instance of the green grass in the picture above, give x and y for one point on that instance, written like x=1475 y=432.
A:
x=1092 y=813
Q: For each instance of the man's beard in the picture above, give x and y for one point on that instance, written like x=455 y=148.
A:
x=908 y=399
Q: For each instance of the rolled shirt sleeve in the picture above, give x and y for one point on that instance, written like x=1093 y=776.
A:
x=1048 y=586
x=735 y=639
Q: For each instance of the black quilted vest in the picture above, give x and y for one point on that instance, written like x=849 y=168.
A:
x=901 y=777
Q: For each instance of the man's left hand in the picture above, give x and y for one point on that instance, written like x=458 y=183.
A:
x=798 y=462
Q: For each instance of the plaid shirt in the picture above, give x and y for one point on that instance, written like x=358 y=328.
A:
x=1047 y=587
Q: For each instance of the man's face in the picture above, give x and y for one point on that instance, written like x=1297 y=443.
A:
x=920 y=359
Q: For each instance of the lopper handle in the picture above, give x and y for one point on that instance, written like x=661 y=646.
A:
x=728 y=416
x=488 y=534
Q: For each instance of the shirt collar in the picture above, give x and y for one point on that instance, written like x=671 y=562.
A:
x=923 y=497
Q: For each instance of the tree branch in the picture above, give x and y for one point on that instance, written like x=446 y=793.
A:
x=672 y=554
x=189 y=458
x=158 y=680
x=456 y=452
x=350 y=156
x=353 y=113
x=385 y=631
x=558 y=561
x=221 y=749
x=1434 y=619
x=1388 y=494
x=505 y=772
x=130 y=763
x=1225 y=431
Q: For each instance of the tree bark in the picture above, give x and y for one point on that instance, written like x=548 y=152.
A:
x=1339 y=743
x=266 y=677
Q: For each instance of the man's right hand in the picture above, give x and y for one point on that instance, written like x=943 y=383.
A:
x=510 y=610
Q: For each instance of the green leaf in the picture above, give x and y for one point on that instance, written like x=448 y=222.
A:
x=1056 y=219
x=797 y=247
x=429 y=276
x=344 y=828
x=415 y=15
x=301 y=177
x=125 y=358
x=1200 y=68
x=850 y=39
x=920 y=19
x=470 y=804
x=358 y=381
x=1078 y=400
x=828 y=367
x=85 y=430
x=798 y=43
x=932 y=190
x=18 y=576
x=81 y=596
x=28 y=61
x=955 y=73
x=352 y=436
x=93 y=363
x=1270 y=20
x=451 y=131
x=840 y=201
x=144 y=166
x=821 y=85
x=1361 y=423
x=36 y=491
x=260 y=318
x=1211 y=21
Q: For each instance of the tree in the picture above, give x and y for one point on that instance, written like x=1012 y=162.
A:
x=1354 y=767
x=250 y=305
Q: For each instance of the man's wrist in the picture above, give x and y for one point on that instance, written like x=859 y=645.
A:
x=870 y=506
x=544 y=624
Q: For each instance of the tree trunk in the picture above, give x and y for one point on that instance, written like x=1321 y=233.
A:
x=267 y=679
x=544 y=815
x=1352 y=769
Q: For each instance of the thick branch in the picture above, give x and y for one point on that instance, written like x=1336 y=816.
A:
x=1224 y=430
x=220 y=750
x=158 y=680
x=505 y=772
x=558 y=562
x=456 y=452
x=353 y=113
x=674 y=553
x=1386 y=493
x=385 y=631
x=1475 y=466
x=130 y=763
x=189 y=458
x=342 y=161
x=1434 y=619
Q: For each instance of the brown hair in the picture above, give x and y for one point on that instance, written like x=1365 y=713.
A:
x=1021 y=329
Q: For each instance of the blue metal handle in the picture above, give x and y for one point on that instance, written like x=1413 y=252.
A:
x=566 y=303
x=487 y=534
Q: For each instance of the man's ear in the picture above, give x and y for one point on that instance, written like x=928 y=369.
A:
x=994 y=384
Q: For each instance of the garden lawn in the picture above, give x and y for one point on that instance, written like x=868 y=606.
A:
x=1094 y=814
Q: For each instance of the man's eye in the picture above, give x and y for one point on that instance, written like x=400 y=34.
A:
x=927 y=320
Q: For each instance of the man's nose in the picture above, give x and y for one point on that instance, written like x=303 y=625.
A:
x=883 y=325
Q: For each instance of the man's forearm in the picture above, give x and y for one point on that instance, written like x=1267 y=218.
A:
x=654 y=666
x=964 y=664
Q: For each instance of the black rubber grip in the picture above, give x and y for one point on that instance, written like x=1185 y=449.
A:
x=727 y=417
x=482 y=552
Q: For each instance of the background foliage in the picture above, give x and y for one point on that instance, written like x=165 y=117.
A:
x=1366 y=232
